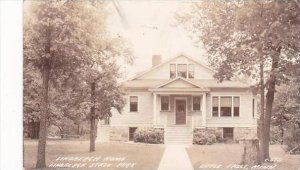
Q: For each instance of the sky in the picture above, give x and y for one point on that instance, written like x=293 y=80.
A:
x=150 y=28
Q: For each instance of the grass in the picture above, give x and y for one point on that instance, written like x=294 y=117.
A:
x=224 y=154
x=118 y=155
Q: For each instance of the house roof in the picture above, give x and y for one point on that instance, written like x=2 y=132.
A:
x=137 y=82
x=155 y=83
x=170 y=59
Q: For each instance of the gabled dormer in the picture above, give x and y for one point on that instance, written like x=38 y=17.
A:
x=179 y=66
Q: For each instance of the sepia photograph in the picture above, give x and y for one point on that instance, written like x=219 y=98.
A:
x=161 y=84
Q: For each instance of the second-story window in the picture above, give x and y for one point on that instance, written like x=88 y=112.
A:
x=172 y=71
x=191 y=71
x=182 y=70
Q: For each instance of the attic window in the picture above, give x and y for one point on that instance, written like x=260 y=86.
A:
x=191 y=71
x=182 y=70
x=172 y=71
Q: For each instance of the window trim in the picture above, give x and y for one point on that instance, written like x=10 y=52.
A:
x=199 y=103
x=137 y=105
x=188 y=71
x=169 y=103
x=219 y=108
x=175 y=70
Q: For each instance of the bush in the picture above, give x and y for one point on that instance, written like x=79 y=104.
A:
x=153 y=135
x=203 y=138
x=292 y=140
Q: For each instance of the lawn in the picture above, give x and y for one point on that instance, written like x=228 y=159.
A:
x=107 y=156
x=219 y=156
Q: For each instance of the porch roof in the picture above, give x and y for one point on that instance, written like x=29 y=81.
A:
x=204 y=83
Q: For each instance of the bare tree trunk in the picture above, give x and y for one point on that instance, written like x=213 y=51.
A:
x=269 y=104
x=41 y=155
x=262 y=111
x=93 y=118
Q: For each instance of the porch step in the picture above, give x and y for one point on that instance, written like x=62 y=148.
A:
x=178 y=135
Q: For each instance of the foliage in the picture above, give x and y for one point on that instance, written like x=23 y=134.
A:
x=249 y=38
x=66 y=48
x=292 y=139
x=153 y=135
x=286 y=110
x=237 y=34
x=201 y=137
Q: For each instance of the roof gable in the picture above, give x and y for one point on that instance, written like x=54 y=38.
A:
x=156 y=68
x=178 y=83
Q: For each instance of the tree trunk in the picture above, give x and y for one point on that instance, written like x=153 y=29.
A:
x=93 y=119
x=41 y=155
x=251 y=155
x=269 y=104
x=262 y=110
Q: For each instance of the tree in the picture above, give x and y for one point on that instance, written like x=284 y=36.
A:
x=248 y=38
x=59 y=37
x=286 y=107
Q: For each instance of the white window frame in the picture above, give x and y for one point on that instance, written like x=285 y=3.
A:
x=175 y=69
x=188 y=71
x=199 y=103
x=169 y=103
x=137 y=106
x=219 y=108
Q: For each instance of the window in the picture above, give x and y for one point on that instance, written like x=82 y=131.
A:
x=215 y=106
x=196 y=103
x=225 y=106
x=191 y=71
x=133 y=103
x=172 y=70
x=236 y=106
x=131 y=133
x=181 y=70
x=228 y=133
x=164 y=104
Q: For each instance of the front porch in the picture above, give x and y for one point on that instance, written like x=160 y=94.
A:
x=184 y=109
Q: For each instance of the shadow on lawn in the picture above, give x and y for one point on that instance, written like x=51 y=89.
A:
x=107 y=155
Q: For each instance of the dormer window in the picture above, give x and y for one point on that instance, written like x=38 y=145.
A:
x=172 y=71
x=182 y=70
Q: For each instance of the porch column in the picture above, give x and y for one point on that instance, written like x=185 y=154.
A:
x=204 y=109
x=154 y=109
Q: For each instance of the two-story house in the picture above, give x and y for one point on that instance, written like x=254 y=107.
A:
x=180 y=95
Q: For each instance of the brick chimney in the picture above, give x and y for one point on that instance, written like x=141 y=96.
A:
x=156 y=60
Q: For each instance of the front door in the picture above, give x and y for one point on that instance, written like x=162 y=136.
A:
x=180 y=112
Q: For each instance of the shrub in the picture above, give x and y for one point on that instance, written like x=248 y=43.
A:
x=292 y=140
x=203 y=137
x=153 y=135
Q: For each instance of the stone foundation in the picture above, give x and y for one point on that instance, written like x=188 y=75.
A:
x=238 y=132
x=119 y=134
x=245 y=133
x=108 y=133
